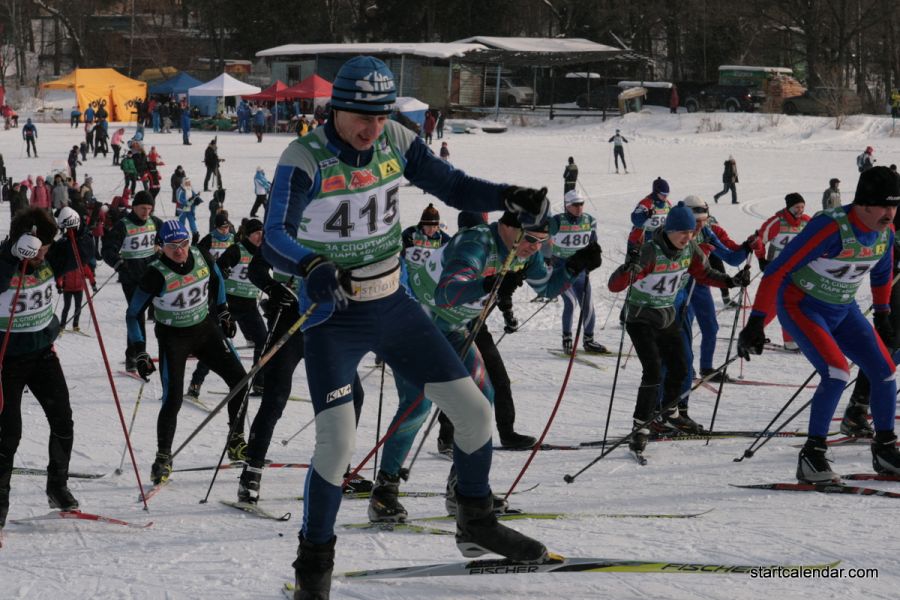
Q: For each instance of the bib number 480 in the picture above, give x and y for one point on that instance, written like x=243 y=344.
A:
x=341 y=221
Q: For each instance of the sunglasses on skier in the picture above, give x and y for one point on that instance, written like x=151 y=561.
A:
x=531 y=239
x=182 y=245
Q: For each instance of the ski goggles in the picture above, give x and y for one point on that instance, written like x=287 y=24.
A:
x=182 y=245
x=532 y=239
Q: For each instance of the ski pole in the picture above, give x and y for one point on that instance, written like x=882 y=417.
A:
x=9 y=322
x=571 y=478
x=612 y=393
x=109 y=373
x=378 y=425
x=609 y=314
x=479 y=322
x=734 y=323
x=248 y=377
x=522 y=324
x=562 y=390
x=288 y=440
x=118 y=471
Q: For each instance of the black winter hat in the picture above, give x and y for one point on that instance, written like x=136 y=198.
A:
x=792 y=199
x=878 y=186
x=143 y=197
x=252 y=225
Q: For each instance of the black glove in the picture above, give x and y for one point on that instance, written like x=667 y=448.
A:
x=487 y=283
x=739 y=279
x=752 y=337
x=59 y=290
x=529 y=204
x=510 y=322
x=144 y=365
x=282 y=294
x=511 y=281
x=885 y=329
x=633 y=262
x=763 y=263
x=94 y=287
x=587 y=259
x=750 y=243
x=227 y=323
x=326 y=282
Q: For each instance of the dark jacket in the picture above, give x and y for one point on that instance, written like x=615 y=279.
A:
x=211 y=157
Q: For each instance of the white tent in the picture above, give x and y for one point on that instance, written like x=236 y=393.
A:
x=224 y=85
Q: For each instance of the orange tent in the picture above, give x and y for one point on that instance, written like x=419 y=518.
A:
x=103 y=87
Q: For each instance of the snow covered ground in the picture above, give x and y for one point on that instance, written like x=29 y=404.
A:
x=210 y=551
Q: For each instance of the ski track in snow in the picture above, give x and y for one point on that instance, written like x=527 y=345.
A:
x=211 y=551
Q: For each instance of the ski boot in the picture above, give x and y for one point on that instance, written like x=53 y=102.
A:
x=791 y=346
x=384 y=507
x=59 y=496
x=567 y=343
x=478 y=532
x=237 y=448
x=517 y=441
x=193 y=391
x=359 y=484
x=76 y=329
x=312 y=570
x=450 y=503
x=885 y=455
x=592 y=347
x=856 y=420
x=248 y=485
x=5 y=475
x=812 y=465
x=717 y=378
x=162 y=468
x=675 y=420
x=639 y=438
x=130 y=363
x=256 y=390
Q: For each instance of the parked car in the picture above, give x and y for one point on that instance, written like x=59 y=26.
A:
x=823 y=101
x=513 y=92
x=733 y=98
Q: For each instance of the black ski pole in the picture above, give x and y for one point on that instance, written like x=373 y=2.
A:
x=378 y=425
x=571 y=478
x=612 y=393
x=521 y=325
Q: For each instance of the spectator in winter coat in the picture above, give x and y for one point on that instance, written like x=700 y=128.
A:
x=259 y=124
x=211 y=160
x=445 y=151
x=100 y=140
x=89 y=114
x=185 y=210
x=18 y=198
x=440 y=125
x=261 y=186
x=674 y=100
x=75 y=117
x=98 y=221
x=71 y=286
x=60 y=193
x=73 y=162
x=570 y=176
x=865 y=161
x=831 y=198
x=185 y=127
x=130 y=172
x=154 y=157
x=430 y=122
x=175 y=182
x=121 y=203
x=729 y=179
x=29 y=134
x=40 y=194
x=165 y=117
x=116 y=143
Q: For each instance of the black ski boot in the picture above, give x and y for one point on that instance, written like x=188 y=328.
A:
x=237 y=448
x=678 y=420
x=384 y=507
x=567 y=343
x=359 y=484
x=812 y=465
x=59 y=496
x=162 y=467
x=717 y=378
x=450 y=503
x=312 y=570
x=885 y=455
x=248 y=485
x=856 y=420
x=445 y=447
x=517 y=441
x=639 y=439
x=193 y=391
x=592 y=347
x=478 y=532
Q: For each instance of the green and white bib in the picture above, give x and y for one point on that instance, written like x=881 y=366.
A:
x=139 y=241
x=417 y=255
x=217 y=246
x=659 y=288
x=657 y=219
x=34 y=307
x=568 y=237
x=836 y=280
x=786 y=233
x=237 y=283
x=354 y=218
x=184 y=299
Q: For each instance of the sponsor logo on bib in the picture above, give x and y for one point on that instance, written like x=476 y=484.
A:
x=362 y=178
x=334 y=183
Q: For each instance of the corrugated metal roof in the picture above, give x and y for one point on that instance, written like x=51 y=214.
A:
x=432 y=50
x=542 y=45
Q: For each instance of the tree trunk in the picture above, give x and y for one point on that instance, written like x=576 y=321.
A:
x=79 y=58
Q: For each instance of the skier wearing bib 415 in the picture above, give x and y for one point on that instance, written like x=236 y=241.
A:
x=570 y=231
x=814 y=282
x=179 y=284
x=649 y=214
x=656 y=274
x=333 y=220
x=30 y=359
x=775 y=234
x=128 y=248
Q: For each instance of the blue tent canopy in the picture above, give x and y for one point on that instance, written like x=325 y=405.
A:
x=179 y=85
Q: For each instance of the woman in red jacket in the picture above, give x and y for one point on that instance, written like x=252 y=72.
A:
x=71 y=286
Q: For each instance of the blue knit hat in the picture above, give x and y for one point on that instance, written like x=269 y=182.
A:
x=680 y=218
x=364 y=85
x=173 y=232
x=660 y=186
